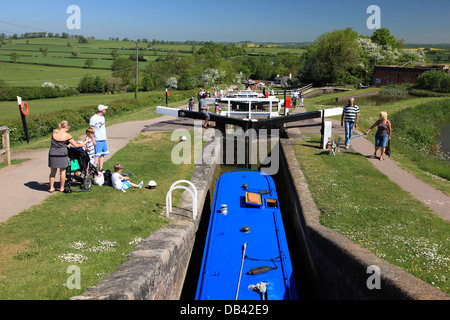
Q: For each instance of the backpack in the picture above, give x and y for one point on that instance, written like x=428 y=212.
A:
x=108 y=178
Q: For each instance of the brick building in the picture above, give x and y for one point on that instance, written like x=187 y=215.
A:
x=387 y=75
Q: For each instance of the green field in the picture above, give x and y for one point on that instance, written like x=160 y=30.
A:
x=60 y=66
x=29 y=75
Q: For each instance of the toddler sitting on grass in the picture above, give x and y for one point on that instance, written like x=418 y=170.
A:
x=120 y=182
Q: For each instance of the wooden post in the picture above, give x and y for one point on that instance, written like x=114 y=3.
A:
x=5 y=144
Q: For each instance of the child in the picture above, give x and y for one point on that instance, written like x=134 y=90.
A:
x=90 y=144
x=217 y=106
x=120 y=182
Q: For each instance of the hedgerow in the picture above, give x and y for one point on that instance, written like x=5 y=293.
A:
x=42 y=125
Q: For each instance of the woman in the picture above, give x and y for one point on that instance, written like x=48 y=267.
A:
x=58 y=154
x=383 y=134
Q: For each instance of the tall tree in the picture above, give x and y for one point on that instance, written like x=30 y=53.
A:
x=124 y=68
x=383 y=37
x=333 y=57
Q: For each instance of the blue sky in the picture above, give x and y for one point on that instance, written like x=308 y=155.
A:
x=261 y=20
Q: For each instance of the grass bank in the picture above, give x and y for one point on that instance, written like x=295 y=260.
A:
x=362 y=204
x=417 y=136
x=93 y=230
x=415 y=123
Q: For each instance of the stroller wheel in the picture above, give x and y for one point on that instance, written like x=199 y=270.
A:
x=87 y=183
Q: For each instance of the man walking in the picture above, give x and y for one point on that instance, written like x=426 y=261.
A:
x=349 y=118
x=98 y=122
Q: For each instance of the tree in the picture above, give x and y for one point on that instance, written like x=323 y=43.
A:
x=114 y=53
x=147 y=83
x=383 y=37
x=89 y=63
x=211 y=77
x=434 y=80
x=113 y=85
x=124 y=68
x=89 y=84
x=186 y=81
x=259 y=67
x=75 y=52
x=44 y=51
x=333 y=57
x=82 y=39
x=14 y=56
x=172 y=83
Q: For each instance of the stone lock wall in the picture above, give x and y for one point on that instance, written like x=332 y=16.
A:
x=156 y=269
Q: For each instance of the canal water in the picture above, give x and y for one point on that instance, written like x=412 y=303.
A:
x=372 y=100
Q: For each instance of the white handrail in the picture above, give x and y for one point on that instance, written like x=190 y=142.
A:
x=193 y=195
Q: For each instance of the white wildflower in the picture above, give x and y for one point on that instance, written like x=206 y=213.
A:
x=72 y=258
x=136 y=241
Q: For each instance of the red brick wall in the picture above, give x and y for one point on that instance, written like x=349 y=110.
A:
x=382 y=77
x=386 y=75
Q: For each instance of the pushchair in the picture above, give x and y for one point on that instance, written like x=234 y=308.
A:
x=80 y=170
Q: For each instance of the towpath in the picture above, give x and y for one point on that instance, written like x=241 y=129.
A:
x=435 y=199
x=25 y=185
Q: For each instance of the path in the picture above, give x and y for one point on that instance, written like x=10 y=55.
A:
x=25 y=185
x=435 y=199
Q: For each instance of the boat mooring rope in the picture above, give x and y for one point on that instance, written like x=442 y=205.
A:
x=240 y=273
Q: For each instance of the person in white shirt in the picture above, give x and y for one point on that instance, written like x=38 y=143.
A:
x=98 y=122
x=120 y=182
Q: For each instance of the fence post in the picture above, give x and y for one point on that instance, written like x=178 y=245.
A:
x=6 y=151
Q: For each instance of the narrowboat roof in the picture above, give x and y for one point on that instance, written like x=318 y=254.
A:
x=246 y=248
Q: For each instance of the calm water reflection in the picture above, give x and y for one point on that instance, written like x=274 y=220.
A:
x=373 y=100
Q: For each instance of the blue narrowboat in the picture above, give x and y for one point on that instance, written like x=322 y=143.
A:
x=246 y=255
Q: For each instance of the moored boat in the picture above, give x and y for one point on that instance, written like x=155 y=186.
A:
x=246 y=254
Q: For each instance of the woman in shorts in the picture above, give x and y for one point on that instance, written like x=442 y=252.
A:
x=383 y=134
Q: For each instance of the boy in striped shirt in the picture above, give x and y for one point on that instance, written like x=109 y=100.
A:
x=349 y=118
x=90 y=144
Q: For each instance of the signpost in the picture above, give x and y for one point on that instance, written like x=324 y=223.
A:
x=23 y=108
